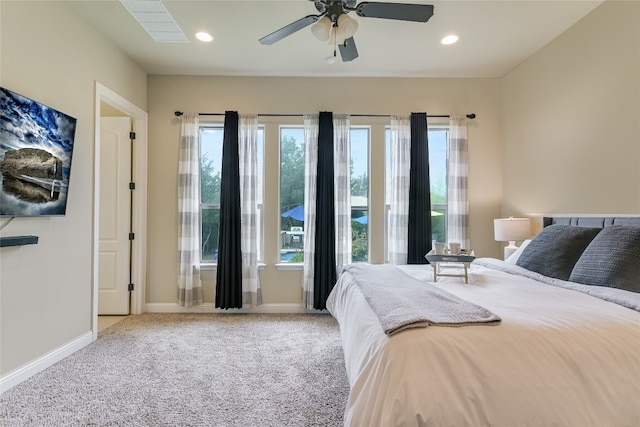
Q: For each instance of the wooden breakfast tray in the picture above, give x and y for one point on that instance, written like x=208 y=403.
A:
x=436 y=260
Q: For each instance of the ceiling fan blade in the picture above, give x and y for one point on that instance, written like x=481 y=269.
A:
x=287 y=30
x=400 y=11
x=348 y=50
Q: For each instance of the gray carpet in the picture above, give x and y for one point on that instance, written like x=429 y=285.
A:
x=193 y=370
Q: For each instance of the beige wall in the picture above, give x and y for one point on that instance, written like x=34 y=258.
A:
x=571 y=120
x=302 y=95
x=49 y=55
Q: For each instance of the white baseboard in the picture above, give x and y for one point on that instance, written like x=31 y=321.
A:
x=210 y=308
x=25 y=372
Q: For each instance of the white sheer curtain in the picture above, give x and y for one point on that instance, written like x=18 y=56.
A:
x=342 y=186
x=248 y=158
x=397 y=233
x=310 y=176
x=457 y=188
x=189 y=284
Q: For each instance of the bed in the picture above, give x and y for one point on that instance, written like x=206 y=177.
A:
x=565 y=350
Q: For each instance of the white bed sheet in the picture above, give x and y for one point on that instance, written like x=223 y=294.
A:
x=559 y=358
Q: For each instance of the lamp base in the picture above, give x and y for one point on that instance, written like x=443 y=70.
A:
x=510 y=249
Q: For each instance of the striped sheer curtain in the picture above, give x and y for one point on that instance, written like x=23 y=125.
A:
x=248 y=159
x=342 y=183
x=457 y=188
x=189 y=284
x=397 y=232
x=310 y=177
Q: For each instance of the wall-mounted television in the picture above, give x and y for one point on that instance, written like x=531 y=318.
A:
x=36 y=147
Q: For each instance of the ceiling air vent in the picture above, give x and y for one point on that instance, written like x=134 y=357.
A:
x=154 y=17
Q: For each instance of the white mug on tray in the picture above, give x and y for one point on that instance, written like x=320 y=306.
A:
x=440 y=248
x=454 y=247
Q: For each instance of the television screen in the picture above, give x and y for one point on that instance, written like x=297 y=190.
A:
x=36 y=144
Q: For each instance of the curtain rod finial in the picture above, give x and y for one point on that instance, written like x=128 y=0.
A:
x=471 y=116
x=178 y=113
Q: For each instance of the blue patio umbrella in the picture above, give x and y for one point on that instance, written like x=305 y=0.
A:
x=296 y=213
x=363 y=219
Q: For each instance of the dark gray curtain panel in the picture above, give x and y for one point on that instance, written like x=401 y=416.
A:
x=229 y=269
x=419 y=227
x=325 y=242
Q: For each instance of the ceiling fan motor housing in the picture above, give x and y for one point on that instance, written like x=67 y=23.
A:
x=334 y=7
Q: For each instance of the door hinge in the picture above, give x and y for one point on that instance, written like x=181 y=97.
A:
x=132 y=236
x=132 y=186
x=130 y=287
x=132 y=135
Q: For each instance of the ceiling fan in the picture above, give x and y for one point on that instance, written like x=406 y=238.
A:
x=333 y=24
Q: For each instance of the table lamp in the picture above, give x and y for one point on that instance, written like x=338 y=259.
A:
x=511 y=230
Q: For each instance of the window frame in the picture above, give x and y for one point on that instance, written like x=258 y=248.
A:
x=368 y=128
x=439 y=206
x=280 y=264
x=287 y=265
x=213 y=206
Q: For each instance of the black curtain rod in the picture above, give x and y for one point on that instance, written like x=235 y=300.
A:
x=179 y=113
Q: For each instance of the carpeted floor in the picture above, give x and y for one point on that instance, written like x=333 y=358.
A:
x=193 y=370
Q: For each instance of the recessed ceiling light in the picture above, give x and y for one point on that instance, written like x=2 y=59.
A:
x=205 y=37
x=450 y=39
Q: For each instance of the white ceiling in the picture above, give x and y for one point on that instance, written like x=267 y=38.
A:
x=495 y=36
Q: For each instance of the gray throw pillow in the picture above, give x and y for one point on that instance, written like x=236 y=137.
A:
x=556 y=249
x=612 y=259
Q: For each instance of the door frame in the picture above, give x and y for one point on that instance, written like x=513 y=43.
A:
x=139 y=120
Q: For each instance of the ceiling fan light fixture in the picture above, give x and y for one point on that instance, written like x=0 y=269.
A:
x=322 y=29
x=348 y=25
x=334 y=26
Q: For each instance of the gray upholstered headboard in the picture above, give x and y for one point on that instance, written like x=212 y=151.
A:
x=592 y=221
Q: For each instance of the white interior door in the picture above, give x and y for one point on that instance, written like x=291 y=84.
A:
x=115 y=216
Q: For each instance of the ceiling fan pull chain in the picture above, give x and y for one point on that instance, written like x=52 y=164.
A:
x=335 y=38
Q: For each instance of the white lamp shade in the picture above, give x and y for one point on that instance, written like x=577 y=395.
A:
x=511 y=229
x=348 y=25
x=322 y=29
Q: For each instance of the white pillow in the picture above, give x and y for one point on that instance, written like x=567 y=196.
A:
x=513 y=258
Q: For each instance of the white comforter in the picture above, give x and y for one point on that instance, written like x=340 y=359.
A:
x=559 y=358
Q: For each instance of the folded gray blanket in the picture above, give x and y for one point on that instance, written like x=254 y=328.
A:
x=402 y=302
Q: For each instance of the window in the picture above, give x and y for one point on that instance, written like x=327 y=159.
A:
x=438 y=171
x=211 y=137
x=291 y=194
x=360 y=194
